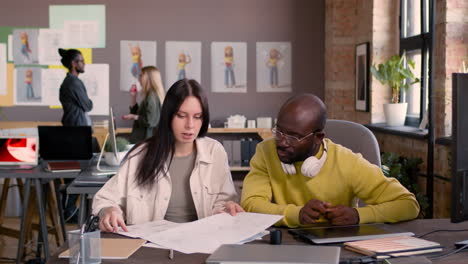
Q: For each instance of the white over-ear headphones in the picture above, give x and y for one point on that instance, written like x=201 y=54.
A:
x=311 y=166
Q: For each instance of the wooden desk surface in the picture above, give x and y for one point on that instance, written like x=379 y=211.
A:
x=419 y=227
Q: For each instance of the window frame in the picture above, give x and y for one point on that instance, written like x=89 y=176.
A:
x=421 y=42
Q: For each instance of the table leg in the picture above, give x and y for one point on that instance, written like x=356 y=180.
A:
x=27 y=192
x=83 y=210
x=42 y=217
x=60 y=210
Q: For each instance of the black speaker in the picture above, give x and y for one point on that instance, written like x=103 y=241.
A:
x=459 y=147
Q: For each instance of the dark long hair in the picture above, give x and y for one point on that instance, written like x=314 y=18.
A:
x=159 y=149
x=68 y=56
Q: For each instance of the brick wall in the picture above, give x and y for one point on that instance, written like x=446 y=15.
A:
x=351 y=22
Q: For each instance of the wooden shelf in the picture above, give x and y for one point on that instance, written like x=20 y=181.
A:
x=264 y=133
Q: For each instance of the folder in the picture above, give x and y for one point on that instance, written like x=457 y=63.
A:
x=115 y=248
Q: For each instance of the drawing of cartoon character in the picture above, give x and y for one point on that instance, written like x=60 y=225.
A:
x=137 y=63
x=272 y=63
x=229 y=78
x=25 y=50
x=28 y=82
x=183 y=60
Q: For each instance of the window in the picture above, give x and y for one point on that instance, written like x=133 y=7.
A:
x=415 y=41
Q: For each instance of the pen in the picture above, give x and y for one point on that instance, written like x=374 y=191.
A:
x=171 y=254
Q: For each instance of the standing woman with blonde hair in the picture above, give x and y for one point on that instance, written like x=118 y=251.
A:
x=146 y=114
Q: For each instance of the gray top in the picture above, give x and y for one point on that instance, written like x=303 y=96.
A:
x=181 y=208
x=75 y=102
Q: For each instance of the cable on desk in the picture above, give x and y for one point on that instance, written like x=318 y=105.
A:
x=442 y=230
x=449 y=253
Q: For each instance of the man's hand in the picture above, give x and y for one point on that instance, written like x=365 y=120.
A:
x=111 y=219
x=342 y=215
x=312 y=211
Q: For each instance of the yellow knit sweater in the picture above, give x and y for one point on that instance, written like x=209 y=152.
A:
x=344 y=176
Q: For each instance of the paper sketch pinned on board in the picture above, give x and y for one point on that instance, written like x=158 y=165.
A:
x=274 y=67
x=25 y=46
x=96 y=81
x=183 y=60
x=50 y=40
x=135 y=55
x=229 y=67
x=28 y=89
x=3 y=69
x=51 y=81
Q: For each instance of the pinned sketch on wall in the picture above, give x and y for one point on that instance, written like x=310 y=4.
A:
x=3 y=69
x=50 y=40
x=274 y=67
x=135 y=55
x=51 y=81
x=96 y=81
x=25 y=46
x=229 y=67
x=8 y=98
x=28 y=90
x=183 y=60
x=84 y=26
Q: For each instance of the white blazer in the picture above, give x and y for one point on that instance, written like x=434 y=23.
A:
x=210 y=183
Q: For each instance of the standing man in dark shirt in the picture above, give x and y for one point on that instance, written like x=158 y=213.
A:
x=73 y=96
x=75 y=104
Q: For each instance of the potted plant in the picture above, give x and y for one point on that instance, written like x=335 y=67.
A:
x=396 y=74
x=122 y=149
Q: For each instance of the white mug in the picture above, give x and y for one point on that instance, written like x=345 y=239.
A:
x=250 y=123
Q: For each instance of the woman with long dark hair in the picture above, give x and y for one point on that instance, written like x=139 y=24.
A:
x=178 y=174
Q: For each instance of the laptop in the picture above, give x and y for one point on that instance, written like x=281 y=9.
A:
x=338 y=234
x=65 y=143
x=18 y=152
x=265 y=253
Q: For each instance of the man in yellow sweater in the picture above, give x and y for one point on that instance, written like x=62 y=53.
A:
x=309 y=179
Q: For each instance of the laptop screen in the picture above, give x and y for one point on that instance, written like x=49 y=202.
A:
x=18 y=150
x=65 y=143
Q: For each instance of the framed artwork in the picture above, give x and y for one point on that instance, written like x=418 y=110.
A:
x=362 y=77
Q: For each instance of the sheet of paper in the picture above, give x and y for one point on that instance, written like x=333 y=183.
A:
x=207 y=234
x=140 y=230
x=51 y=81
x=7 y=99
x=134 y=55
x=3 y=69
x=91 y=21
x=96 y=81
x=10 y=47
x=50 y=40
x=83 y=34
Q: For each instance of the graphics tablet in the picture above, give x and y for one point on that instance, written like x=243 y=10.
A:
x=337 y=234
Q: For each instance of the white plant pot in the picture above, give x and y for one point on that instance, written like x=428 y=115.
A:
x=111 y=160
x=395 y=114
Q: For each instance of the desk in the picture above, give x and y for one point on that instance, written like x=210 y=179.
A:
x=419 y=227
x=37 y=176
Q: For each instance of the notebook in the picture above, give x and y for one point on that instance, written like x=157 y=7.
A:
x=18 y=151
x=393 y=246
x=265 y=253
x=338 y=234
x=63 y=166
x=115 y=248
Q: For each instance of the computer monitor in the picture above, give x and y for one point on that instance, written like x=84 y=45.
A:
x=18 y=150
x=459 y=147
x=65 y=142
x=112 y=141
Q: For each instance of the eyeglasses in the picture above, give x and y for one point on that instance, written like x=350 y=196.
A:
x=290 y=139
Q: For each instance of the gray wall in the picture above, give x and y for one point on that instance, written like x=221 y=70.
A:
x=300 y=21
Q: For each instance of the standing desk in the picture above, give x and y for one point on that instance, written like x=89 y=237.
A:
x=37 y=176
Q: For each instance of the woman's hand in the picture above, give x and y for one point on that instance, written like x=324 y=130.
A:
x=111 y=219
x=231 y=208
x=130 y=117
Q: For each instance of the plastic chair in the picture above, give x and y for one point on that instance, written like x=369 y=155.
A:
x=354 y=136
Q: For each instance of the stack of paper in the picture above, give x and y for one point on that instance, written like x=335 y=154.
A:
x=204 y=235
x=393 y=246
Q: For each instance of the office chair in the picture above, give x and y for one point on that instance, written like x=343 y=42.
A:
x=354 y=136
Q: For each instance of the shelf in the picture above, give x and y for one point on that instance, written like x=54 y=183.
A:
x=264 y=133
x=239 y=168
